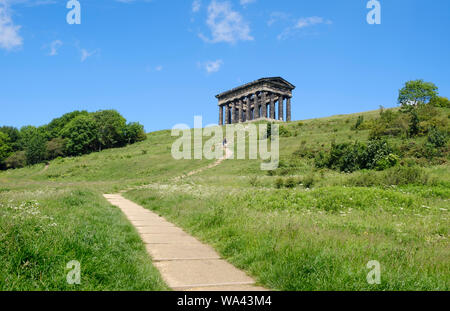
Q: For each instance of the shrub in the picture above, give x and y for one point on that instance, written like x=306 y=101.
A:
x=279 y=183
x=403 y=175
x=436 y=137
x=284 y=131
x=358 y=123
x=347 y=157
x=134 y=132
x=16 y=160
x=254 y=181
x=290 y=182
x=308 y=181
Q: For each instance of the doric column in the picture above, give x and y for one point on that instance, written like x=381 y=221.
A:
x=227 y=114
x=241 y=108
x=233 y=112
x=256 y=107
x=280 y=108
x=288 y=109
x=249 y=109
x=220 y=115
x=264 y=105
x=272 y=106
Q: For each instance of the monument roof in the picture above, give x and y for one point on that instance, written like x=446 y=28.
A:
x=274 y=80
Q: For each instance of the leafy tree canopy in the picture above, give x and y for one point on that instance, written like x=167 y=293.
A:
x=416 y=93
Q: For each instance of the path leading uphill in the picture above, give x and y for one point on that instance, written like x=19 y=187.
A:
x=184 y=262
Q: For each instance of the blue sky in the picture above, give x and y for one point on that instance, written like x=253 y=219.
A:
x=161 y=62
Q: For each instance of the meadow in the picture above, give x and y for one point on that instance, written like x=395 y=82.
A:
x=298 y=228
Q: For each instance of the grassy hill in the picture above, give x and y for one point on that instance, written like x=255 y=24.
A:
x=298 y=228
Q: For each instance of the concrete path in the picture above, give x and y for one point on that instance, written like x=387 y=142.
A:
x=184 y=262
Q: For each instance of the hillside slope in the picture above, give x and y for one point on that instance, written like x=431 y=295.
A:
x=298 y=228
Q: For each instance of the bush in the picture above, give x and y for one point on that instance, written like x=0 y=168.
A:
x=440 y=101
x=347 y=157
x=16 y=160
x=284 y=131
x=279 y=183
x=5 y=147
x=308 y=181
x=403 y=175
x=358 y=123
x=436 y=137
x=290 y=182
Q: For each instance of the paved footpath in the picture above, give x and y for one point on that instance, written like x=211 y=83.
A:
x=184 y=262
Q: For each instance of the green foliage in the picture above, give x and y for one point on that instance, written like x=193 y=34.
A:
x=5 y=147
x=358 y=123
x=416 y=93
x=111 y=128
x=17 y=160
x=279 y=183
x=440 y=101
x=55 y=148
x=437 y=138
x=346 y=157
x=309 y=180
x=290 y=182
x=134 y=132
x=284 y=131
x=13 y=136
x=414 y=123
x=81 y=135
x=55 y=127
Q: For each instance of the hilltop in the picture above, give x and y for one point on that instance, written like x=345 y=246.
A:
x=312 y=224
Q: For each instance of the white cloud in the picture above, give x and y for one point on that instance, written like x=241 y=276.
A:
x=159 y=68
x=85 y=54
x=212 y=66
x=9 y=32
x=245 y=2
x=196 y=5
x=302 y=23
x=225 y=24
x=54 y=46
x=310 y=21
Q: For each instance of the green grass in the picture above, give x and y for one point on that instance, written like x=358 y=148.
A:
x=288 y=239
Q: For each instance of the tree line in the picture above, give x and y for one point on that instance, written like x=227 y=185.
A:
x=73 y=134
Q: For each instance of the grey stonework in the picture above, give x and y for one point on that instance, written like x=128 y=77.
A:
x=256 y=100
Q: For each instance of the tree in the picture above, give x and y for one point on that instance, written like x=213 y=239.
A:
x=111 y=128
x=56 y=125
x=134 y=132
x=416 y=93
x=440 y=101
x=81 y=135
x=35 y=148
x=5 y=147
x=55 y=148
x=13 y=134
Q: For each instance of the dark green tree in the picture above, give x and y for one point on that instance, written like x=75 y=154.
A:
x=111 y=129
x=134 y=132
x=81 y=135
x=5 y=148
x=13 y=134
